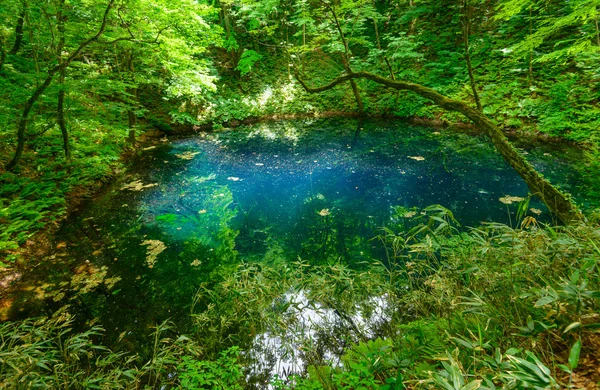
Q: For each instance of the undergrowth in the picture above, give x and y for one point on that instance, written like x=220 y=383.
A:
x=494 y=307
x=39 y=193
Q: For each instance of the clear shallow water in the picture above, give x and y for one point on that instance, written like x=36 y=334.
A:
x=190 y=209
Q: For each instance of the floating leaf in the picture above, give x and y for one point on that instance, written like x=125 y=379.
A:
x=187 y=155
x=137 y=185
x=511 y=199
x=324 y=212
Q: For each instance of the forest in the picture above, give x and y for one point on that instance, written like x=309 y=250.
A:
x=304 y=194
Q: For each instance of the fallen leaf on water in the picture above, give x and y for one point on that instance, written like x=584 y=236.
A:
x=137 y=185
x=511 y=199
x=195 y=263
x=324 y=212
x=536 y=211
x=186 y=155
x=417 y=158
x=409 y=214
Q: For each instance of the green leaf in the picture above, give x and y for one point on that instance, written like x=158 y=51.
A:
x=565 y=368
x=462 y=342
x=472 y=385
x=574 y=355
x=573 y=326
x=530 y=323
x=545 y=301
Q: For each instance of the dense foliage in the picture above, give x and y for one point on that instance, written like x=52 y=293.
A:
x=83 y=83
x=78 y=79
x=495 y=307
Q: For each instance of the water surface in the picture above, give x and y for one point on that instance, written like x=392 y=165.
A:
x=190 y=209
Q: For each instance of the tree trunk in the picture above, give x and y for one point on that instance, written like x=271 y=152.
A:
x=131 y=118
x=356 y=92
x=377 y=34
x=597 y=27
x=557 y=202
x=466 y=33
x=60 y=116
x=2 y=56
x=390 y=68
x=60 y=110
x=413 y=23
x=18 y=33
x=530 y=50
x=22 y=122
x=346 y=63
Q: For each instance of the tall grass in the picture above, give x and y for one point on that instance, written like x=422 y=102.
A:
x=493 y=307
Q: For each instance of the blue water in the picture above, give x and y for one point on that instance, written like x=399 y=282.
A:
x=315 y=189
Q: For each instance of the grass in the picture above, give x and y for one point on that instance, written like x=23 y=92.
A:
x=495 y=307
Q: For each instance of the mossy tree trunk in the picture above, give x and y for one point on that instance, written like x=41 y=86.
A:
x=558 y=203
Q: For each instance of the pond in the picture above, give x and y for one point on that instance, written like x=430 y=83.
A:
x=188 y=210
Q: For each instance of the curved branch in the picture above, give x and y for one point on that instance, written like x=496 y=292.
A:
x=558 y=203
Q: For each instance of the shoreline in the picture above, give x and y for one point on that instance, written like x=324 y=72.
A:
x=41 y=243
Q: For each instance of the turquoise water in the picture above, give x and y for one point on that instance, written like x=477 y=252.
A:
x=190 y=209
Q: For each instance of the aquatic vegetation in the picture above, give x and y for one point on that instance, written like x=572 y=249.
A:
x=345 y=253
x=448 y=315
x=324 y=212
x=155 y=248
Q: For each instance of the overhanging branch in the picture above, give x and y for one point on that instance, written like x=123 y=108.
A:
x=557 y=202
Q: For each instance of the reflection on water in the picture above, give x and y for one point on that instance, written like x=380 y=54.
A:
x=190 y=210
